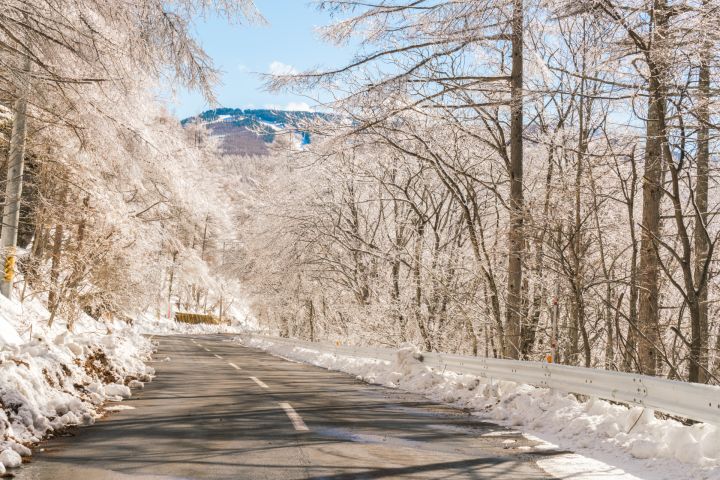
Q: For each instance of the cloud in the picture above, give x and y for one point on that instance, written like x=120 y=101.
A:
x=242 y=68
x=290 y=107
x=298 y=107
x=279 y=68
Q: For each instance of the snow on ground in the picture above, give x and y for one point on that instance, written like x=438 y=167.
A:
x=239 y=317
x=151 y=325
x=52 y=379
x=610 y=441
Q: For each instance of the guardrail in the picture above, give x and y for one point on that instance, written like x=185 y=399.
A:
x=689 y=400
x=196 y=318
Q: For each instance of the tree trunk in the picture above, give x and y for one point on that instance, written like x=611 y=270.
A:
x=701 y=219
x=629 y=357
x=13 y=193
x=53 y=295
x=516 y=237
x=170 y=282
x=648 y=312
x=395 y=296
x=311 y=320
x=417 y=266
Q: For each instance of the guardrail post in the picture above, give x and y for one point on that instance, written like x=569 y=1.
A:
x=640 y=391
x=546 y=376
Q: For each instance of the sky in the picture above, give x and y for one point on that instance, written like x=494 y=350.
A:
x=288 y=42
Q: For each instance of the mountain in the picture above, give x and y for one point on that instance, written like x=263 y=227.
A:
x=250 y=131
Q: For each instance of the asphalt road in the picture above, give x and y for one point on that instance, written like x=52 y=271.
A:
x=217 y=410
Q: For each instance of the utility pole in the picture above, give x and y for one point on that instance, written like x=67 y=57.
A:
x=13 y=190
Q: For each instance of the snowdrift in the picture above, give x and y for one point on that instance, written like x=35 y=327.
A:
x=52 y=379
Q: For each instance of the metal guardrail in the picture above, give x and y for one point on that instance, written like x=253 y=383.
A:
x=689 y=400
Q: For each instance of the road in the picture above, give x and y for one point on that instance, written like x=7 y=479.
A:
x=217 y=410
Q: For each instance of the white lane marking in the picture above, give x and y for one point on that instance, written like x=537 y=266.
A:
x=295 y=418
x=206 y=349
x=218 y=356
x=234 y=366
x=119 y=408
x=259 y=382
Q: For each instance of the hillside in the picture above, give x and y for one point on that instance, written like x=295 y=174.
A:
x=250 y=131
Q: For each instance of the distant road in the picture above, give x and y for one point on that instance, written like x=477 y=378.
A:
x=217 y=410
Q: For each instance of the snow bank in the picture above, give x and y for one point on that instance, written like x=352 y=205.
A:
x=52 y=379
x=630 y=439
x=8 y=334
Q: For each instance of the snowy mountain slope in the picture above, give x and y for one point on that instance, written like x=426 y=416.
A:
x=249 y=131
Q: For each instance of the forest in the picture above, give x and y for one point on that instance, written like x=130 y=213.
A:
x=117 y=213
x=423 y=239
x=519 y=179
x=513 y=179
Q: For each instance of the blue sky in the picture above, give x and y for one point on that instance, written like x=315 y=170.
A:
x=239 y=51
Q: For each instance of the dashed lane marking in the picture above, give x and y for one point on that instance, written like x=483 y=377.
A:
x=234 y=366
x=259 y=382
x=206 y=349
x=294 y=417
x=217 y=356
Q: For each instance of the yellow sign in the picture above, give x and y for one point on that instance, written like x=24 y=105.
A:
x=9 y=268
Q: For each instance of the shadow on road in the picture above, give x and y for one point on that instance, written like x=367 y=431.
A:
x=202 y=419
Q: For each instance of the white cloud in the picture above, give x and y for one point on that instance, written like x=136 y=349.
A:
x=290 y=107
x=279 y=68
x=298 y=107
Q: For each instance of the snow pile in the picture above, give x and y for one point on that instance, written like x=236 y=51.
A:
x=51 y=379
x=628 y=437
